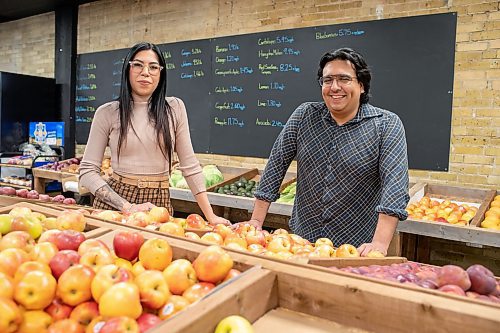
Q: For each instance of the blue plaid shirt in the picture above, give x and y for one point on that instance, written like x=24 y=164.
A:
x=346 y=174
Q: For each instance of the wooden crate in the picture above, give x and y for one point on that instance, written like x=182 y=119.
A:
x=46 y=174
x=296 y=299
x=93 y=228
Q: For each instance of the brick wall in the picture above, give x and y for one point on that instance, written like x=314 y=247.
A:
x=26 y=46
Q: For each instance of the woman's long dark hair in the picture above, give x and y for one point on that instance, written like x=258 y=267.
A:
x=159 y=111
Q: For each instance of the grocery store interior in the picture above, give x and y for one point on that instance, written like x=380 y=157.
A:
x=214 y=166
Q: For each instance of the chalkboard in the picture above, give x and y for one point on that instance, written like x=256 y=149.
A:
x=240 y=90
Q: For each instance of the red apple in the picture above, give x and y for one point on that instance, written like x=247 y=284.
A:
x=147 y=321
x=451 y=274
x=195 y=221
x=127 y=244
x=120 y=324
x=212 y=264
x=66 y=326
x=58 y=310
x=180 y=275
x=197 y=291
x=482 y=279
x=62 y=261
x=84 y=313
x=69 y=240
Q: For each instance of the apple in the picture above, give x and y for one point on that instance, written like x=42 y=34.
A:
x=32 y=226
x=5 y=223
x=172 y=228
x=180 y=221
x=153 y=289
x=159 y=214
x=58 y=198
x=192 y=235
x=58 y=310
x=212 y=238
x=452 y=289
x=123 y=263
x=137 y=268
x=255 y=237
x=255 y=248
x=71 y=220
x=197 y=291
x=234 y=323
x=482 y=279
x=11 y=259
x=232 y=273
x=7 y=190
x=451 y=274
x=43 y=252
x=35 y=322
x=179 y=276
x=279 y=244
x=44 y=197
x=235 y=239
x=121 y=299
x=195 y=221
x=95 y=325
x=20 y=211
x=35 y=290
x=48 y=235
x=127 y=244
x=323 y=240
x=375 y=254
x=74 y=284
x=6 y=286
x=346 y=251
x=66 y=326
x=174 y=304
x=96 y=258
x=30 y=266
x=139 y=219
x=69 y=240
x=212 y=264
x=223 y=230
x=22 y=193
x=90 y=243
x=155 y=254
x=325 y=250
x=107 y=276
x=84 y=312
x=299 y=240
x=147 y=321
x=120 y=324
x=17 y=239
x=11 y=318
x=110 y=215
x=63 y=260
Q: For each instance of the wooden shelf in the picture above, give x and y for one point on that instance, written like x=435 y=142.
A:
x=15 y=166
x=15 y=185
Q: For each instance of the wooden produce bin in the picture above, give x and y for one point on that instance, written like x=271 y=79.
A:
x=93 y=228
x=296 y=299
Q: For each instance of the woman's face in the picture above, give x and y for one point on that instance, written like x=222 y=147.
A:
x=143 y=75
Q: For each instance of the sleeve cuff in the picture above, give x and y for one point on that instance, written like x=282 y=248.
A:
x=401 y=214
x=266 y=196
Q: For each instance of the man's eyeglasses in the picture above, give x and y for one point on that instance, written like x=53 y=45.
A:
x=342 y=80
x=137 y=67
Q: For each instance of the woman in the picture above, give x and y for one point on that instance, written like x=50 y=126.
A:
x=143 y=129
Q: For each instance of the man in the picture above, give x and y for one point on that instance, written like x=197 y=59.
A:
x=352 y=165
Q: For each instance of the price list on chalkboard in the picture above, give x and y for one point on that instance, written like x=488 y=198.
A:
x=239 y=91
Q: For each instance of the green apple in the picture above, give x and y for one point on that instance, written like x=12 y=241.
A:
x=234 y=324
x=5 y=223
x=35 y=228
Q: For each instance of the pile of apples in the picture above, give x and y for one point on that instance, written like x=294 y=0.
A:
x=475 y=282
x=34 y=223
x=81 y=285
x=446 y=211
x=59 y=165
x=492 y=215
x=34 y=195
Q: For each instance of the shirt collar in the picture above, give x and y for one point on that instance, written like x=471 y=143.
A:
x=365 y=111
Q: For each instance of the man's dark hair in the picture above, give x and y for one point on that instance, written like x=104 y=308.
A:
x=363 y=74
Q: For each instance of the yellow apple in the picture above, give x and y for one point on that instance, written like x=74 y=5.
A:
x=107 y=276
x=155 y=254
x=43 y=252
x=192 y=235
x=234 y=323
x=172 y=228
x=212 y=264
x=96 y=257
x=11 y=259
x=30 y=266
x=121 y=299
x=137 y=268
x=153 y=289
x=6 y=286
x=325 y=250
x=159 y=214
x=180 y=275
x=35 y=290
x=35 y=322
x=11 y=317
x=212 y=238
x=279 y=244
x=323 y=240
x=74 y=285
x=174 y=304
x=90 y=243
x=346 y=251
x=375 y=254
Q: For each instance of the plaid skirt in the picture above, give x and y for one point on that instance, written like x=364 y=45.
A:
x=133 y=194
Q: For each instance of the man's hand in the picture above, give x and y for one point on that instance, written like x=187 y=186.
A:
x=214 y=220
x=366 y=248
x=253 y=222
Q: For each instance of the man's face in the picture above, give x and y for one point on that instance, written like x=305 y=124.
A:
x=341 y=90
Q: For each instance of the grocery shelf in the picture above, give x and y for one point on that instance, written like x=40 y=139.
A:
x=15 y=166
x=15 y=185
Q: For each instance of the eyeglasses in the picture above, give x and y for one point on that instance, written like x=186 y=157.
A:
x=342 y=80
x=137 y=67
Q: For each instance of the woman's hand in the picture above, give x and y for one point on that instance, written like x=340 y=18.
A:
x=214 y=220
